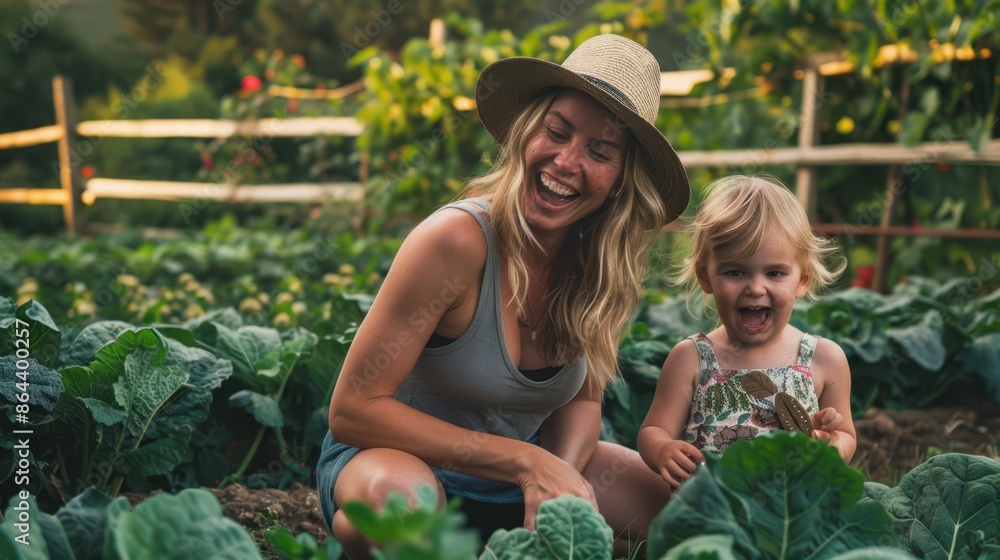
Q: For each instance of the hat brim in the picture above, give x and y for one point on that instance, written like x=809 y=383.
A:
x=508 y=86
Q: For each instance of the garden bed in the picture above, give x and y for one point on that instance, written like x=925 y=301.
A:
x=890 y=444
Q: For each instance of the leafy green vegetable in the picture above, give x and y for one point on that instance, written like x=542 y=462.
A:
x=43 y=385
x=566 y=528
x=84 y=518
x=303 y=546
x=42 y=336
x=187 y=525
x=946 y=508
x=265 y=409
x=922 y=341
x=983 y=355
x=144 y=387
x=82 y=348
x=421 y=533
x=254 y=351
x=875 y=553
x=704 y=547
x=206 y=372
x=24 y=538
x=778 y=496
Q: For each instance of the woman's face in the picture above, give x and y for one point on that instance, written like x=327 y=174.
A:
x=572 y=162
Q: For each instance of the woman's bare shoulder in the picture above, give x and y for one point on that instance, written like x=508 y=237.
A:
x=450 y=235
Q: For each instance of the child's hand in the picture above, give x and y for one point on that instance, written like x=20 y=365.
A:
x=677 y=461
x=825 y=422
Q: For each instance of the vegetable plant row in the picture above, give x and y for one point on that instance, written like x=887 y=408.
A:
x=780 y=496
x=107 y=405
x=176 y=405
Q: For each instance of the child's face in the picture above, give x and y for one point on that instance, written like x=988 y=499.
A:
x=754 y=295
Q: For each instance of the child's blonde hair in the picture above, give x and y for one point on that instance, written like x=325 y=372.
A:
x=741 y=211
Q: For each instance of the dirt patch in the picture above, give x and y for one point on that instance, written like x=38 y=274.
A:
x=891 y=443
x=297 y=508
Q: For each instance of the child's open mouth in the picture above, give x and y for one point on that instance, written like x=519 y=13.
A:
x=754 y=318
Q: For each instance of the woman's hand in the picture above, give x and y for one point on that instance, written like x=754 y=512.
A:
x=677 y=460
x=549 y=477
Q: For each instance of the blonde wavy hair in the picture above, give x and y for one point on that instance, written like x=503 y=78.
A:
x=597 y=286
x=740 y=213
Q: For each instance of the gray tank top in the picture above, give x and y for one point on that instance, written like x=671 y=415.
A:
x=472 y=382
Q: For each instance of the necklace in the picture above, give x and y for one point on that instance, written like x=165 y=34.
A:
x=531 y=312
x=532 y=316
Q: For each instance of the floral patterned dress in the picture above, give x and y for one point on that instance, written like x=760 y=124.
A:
x=723 y=413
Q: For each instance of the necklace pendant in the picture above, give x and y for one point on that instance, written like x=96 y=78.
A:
x=532 y=334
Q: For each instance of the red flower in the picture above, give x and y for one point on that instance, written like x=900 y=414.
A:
x=942 y=166
x=87 y=171
x=864 y=276
x=251 y=83
x=207 y=162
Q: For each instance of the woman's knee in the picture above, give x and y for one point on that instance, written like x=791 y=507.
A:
x=370 y=477
x=373 y=474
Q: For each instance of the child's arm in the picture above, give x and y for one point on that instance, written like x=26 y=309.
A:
x=660 y=443
x=832 y=379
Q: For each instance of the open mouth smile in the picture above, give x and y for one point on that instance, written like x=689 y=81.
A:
x=553 y=193
x=754 y=319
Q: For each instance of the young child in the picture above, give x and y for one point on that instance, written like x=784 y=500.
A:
x=755 y=254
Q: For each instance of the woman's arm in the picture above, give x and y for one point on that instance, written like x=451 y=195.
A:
x=832 y=379
x=432 y=278
x=660 y=440
x=571 y=431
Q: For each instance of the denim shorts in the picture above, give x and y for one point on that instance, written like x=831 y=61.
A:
x=335 y=456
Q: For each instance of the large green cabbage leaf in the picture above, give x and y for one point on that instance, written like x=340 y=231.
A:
x=566 y=528
x=782 y=496
x=187 y=525
x=946 y=508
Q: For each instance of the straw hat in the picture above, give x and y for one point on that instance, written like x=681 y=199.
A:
x=619 y=73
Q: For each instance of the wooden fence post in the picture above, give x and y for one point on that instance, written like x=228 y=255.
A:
x=806 y=184
x=437 y=32
x=883 y=244
x=69 y=176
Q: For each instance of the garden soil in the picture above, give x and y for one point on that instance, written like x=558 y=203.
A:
x=890 y=443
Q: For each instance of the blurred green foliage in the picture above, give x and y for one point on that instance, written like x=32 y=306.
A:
x=423 y=140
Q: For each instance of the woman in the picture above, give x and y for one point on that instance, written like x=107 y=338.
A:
x=480 y=367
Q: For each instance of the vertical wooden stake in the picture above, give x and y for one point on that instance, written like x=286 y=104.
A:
x=893 y=187
x=436 y=34
x=883 y=257
x=806 y=184
x=363 y=175
x=69 y=176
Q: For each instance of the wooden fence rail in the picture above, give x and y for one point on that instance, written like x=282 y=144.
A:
x=806 y=157
x=76 y=190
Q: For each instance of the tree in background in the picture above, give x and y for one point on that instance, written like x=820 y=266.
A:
x=181 y=27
